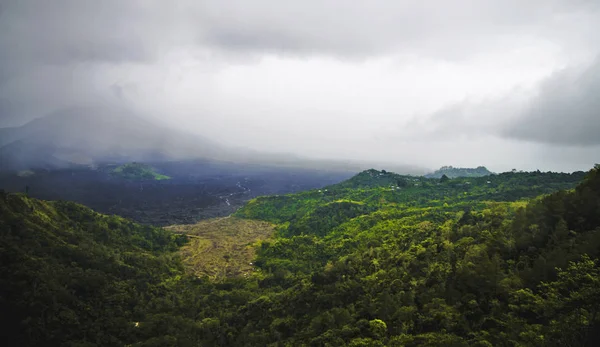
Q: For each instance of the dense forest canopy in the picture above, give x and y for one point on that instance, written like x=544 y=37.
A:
x=377 y=260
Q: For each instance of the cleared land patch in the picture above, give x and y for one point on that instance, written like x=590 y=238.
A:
x=222 y=247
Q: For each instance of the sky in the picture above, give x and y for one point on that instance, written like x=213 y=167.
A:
x=505 y=84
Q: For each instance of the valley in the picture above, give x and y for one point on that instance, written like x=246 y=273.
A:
x=195 y=190
x=379 y=259
x=263 y=174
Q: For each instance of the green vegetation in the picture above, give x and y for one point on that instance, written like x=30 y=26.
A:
x=453 y=172
x=138 y=171
x=378 y=260
x=222 y=247
x=73 y=277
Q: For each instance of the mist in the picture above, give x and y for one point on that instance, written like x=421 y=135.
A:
x=423 y=83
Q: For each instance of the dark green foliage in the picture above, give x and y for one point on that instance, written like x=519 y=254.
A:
x=467 y=262
x=444 y=179
x=70 y=276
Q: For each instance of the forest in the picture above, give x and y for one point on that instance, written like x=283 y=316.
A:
x=377 y=260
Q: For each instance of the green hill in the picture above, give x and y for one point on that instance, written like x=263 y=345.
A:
x=373 y=178
x=138 y=171
x=503 y=260
x=436 y=264
x=453 y=172
x=73 y=277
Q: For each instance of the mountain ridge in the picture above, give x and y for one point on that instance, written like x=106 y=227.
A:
x=454 y=172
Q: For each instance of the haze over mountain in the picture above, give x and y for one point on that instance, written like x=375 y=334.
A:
x=95 y=135
x=505 y=84
x=89 y=135
x=453 y=172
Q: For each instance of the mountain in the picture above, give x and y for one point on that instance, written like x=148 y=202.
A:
x=88 y=136
x=453 y=172
x=91 y=135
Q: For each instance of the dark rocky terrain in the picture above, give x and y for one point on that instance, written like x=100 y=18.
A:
x=197 y=189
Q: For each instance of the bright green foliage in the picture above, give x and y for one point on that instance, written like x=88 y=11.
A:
x=466 y=262
x=138 y=171
x=378 y=191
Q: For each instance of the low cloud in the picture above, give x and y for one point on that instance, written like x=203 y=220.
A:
x=321 y=78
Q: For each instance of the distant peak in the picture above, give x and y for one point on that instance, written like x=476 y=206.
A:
x=453 y=172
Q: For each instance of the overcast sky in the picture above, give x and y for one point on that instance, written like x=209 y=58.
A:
x=506 y=84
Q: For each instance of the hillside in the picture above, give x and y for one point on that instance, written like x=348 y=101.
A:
x=437 y=266
x=453 y=172
x=506 y=260
x=71 y=276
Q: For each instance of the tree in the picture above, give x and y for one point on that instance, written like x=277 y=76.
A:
x=568 y=308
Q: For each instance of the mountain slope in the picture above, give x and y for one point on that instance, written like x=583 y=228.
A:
x=68 y=271
x=422 y=268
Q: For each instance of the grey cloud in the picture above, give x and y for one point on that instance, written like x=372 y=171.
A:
x=378 y=27
x=70 y=31
x=56 y=54
x=565 y=111
x=464 y=119
x=9 y=112
x=113 y=31
x=50 y=50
